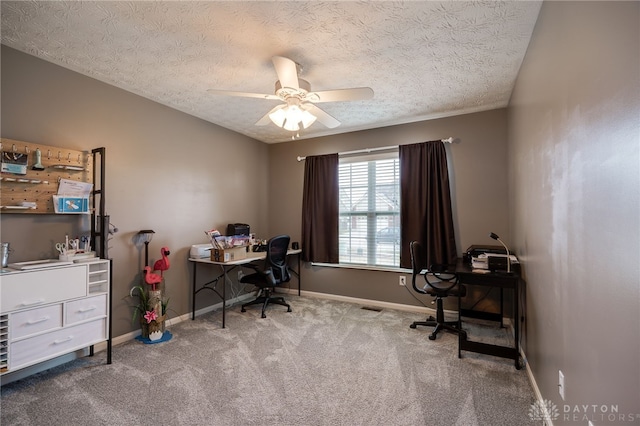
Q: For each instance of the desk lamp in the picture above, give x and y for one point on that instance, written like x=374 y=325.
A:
x=146 y=235
x=495 y=237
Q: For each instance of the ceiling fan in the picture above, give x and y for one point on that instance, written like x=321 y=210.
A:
x=298 y=108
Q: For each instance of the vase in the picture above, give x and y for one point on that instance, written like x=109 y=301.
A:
x=155 y=301
x=154 y=326
x=155 y=335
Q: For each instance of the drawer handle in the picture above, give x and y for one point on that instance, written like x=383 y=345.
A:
x=59 y=341
x=39 y=320
x=35 y=302
x=88 y=309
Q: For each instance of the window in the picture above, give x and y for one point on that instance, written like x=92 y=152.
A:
x=369 y=208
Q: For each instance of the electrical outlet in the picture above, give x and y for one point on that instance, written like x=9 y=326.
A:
x=561 y=384
x=402 y=280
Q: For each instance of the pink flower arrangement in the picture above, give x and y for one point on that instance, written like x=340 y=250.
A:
x=146 y=311
x=150 y=316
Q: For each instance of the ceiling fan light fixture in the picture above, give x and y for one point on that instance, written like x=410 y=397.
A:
x=307 y=119
x=278 y=117
x=299 y=109
x=291 y=125
x=291 y=116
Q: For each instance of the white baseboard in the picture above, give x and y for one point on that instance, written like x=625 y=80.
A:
x=536 y=391
x=377 y=303
x=176 y=320
x=12 y=376
x=366 y=302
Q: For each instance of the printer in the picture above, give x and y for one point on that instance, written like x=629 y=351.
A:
x=237 y=229
x=492 y=258
x=476 y=250
x=200 y=251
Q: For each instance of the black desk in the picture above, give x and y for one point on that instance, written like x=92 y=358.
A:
x=224 y=275
x=502 y=281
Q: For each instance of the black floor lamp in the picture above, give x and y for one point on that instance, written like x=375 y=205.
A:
x=146 y=235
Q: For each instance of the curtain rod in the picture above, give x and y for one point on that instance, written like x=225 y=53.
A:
x=382 y=148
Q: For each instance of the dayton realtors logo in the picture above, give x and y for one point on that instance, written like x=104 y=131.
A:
x=600 y=413
x=548 y=411
x=543 y=410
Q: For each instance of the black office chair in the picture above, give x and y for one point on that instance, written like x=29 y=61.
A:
x=438 y=283
x=274 y=273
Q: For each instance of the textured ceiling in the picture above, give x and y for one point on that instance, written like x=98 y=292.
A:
x=422 y=59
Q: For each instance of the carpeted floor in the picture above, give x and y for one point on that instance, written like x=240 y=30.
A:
x=325 y=363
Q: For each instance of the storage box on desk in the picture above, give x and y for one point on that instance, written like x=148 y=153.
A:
x=228 y=254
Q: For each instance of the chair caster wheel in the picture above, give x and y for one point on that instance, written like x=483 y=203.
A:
x=243 y=310
x=412 y=326
x=432 y=337
x=264 y=316
x=431 y=318
x=289 y=310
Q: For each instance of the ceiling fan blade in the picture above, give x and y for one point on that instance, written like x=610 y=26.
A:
x=265 y=119
x=322 y=116
x=355 y=94
x=243 y=94
x=287 y=71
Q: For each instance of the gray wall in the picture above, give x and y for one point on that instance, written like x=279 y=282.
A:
x=574 y=140
x=573 y=189
x=478 y=183
x=166 y=171
x=172 y=173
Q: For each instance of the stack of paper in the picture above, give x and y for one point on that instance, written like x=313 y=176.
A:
x=217 y=241
x=225 y=242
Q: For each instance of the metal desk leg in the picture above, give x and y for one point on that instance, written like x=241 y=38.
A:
x=110 y=339
x=193 y=292
x=460 y=330
x=501 y=307
x=224 y=294
x=516 y=322
x=299 y=275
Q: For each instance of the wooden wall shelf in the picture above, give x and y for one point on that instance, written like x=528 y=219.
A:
x=39 y=186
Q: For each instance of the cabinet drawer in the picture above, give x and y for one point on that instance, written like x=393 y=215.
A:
x=26 y=323
x=84 y=309
x=45 y=346
x=31 y=288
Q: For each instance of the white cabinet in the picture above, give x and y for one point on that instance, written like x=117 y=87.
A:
x=26 y=289
x=49 y=312
x=34 y=321
x=85 y=309
x=4 y=342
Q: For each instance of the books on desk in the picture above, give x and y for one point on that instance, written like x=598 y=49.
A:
x=223 y=242
x=481 y=262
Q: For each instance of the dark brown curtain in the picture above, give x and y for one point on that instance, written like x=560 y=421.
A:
x=425 y=203
x=320 y=209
